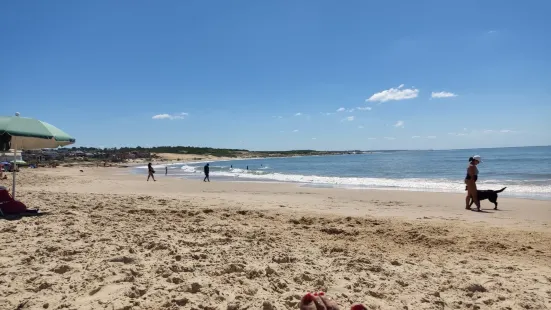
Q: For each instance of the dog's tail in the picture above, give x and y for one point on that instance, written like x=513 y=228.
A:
x=501 y=190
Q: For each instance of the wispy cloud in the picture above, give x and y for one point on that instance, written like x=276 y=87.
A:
x=279 y=117
x=399 y=124
x=390 y=138
x=457 y=134
x=348 y=119
x=170 y=116
x=442 y=94
x=363 y=108
x=399 y=93
x=313 y=138
x=496 y=131
x=345 y=110
x=492 y=32
x=298 y=114
x=360 y=127
x=296 y=130
x=371 y=138
x=465 y=132
x=427 y=137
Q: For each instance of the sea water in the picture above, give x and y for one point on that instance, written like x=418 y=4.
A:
x=525 y=171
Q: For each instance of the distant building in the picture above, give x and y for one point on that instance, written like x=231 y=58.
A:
x=8 y=156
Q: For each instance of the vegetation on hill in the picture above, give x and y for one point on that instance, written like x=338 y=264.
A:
x=205 y=151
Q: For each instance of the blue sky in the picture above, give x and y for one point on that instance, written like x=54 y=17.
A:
x=272 y=75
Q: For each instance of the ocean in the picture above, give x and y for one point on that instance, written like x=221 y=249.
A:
x=526 y=171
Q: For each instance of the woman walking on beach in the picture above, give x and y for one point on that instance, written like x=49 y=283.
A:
x=470 y=181
x=150 y=172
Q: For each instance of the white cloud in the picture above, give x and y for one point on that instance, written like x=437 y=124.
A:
x=399 y=124
x=478 y=132
x=492 y=31
x=390 y=138
x=442 y=94
x=346 y=110
x=170 y=116
x=328 y=113
x=495 y=131
x=399 y=93
x=364 y=108
x=349 y=118
x=298 y=114
x=416 y=137
x=277 y=116
x=161 y=116
x=313 y=138
x=431 y=137
x=296 y=130
x=360 y=127
x=371 y=138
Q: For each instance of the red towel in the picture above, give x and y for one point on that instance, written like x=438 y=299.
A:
x=10 y=206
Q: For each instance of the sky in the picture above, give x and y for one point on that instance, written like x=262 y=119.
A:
x=281 y=75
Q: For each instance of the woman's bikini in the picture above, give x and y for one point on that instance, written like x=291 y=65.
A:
x=475 y=176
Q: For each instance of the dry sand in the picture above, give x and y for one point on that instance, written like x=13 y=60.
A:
x=110 y=240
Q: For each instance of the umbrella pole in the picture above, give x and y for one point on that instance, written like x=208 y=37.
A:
x=14 y=168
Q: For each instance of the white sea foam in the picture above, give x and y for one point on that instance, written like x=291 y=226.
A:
x=514 y=187
x=186 y=168
x=415 y=184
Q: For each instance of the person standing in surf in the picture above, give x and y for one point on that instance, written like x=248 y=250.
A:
x=206 y=169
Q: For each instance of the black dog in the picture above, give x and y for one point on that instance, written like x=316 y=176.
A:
x=489 y=194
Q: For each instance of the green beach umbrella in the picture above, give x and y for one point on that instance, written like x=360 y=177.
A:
x=27 y=133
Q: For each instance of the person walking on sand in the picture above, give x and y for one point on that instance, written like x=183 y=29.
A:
x=166 y=170
x=206 y=169
x=470 y=181
x=150 y=172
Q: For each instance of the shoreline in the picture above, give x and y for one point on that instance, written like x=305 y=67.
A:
x=99 y=178
x=253 y=179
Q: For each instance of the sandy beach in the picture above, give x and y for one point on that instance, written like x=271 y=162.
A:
x=110 y=240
